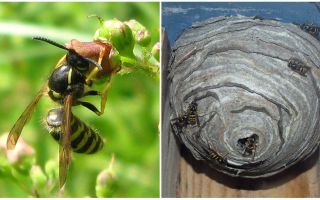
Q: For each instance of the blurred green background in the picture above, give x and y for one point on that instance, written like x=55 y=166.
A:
x=130 y=122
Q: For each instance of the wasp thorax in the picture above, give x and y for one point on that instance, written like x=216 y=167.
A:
x=66 y=80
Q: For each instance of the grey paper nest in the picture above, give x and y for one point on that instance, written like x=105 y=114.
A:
x=253 y=116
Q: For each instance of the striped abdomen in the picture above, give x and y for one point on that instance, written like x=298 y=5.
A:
x=83 y=138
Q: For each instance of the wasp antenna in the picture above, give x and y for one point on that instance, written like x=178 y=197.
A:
x=94 y=62
x=98 y=17
x=50 y=42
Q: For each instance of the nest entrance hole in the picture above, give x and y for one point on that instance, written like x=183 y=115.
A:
x=249 y=145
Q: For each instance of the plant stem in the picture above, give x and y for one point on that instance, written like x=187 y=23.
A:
x=30 y=30
x=139 y=65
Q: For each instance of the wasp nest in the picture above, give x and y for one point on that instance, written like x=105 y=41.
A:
x=244 y=94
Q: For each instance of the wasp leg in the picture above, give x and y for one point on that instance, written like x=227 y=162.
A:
x=254 y=152
x=244 y=152
x=62 y=60
x=91 y=93
x=94 y=72
x=173 y=124
x=291 y=73
x=225 y=160
x=253 y=155
x=198 y=121
x=104 y=93
x=90 y=107
x=174 y=119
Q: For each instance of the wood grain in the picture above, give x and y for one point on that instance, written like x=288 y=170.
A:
x=198 y=180
x=169 y=150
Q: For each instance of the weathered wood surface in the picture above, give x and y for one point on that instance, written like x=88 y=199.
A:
x=196 y=179
x=169 y=150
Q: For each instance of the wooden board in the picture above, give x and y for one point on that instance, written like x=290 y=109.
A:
x=198 y=180
x=169 y=150
x=183 y=176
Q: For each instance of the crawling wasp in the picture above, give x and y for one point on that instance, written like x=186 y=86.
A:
x=311 y=29
x=216 y=156
x=258 y=17
x=70 y=81
x=298 y=66
x=190 y=117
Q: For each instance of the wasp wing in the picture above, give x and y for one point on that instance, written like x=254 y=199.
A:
x=65 y=141
x=15 y=132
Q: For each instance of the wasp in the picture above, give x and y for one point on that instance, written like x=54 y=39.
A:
x=298 y=66
x=83 y=138
x=258 y=17
x=216 y=156
x=249 y=145
x=190 y=117
x=311 y=29
x=68 y=83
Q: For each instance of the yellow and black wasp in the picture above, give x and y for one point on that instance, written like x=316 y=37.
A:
x=311 y=29
x=216 y=156
x=190 y=117
x=68 y=83
x=298 y=66
x=249 y=145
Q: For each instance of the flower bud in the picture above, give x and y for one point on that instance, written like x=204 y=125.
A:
x=118 y=34
x=106 y=182
x=115 y=59
x=156 y=50
x=37 y=176
x=22 y=156
x=51 y=169
x=140 y=33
